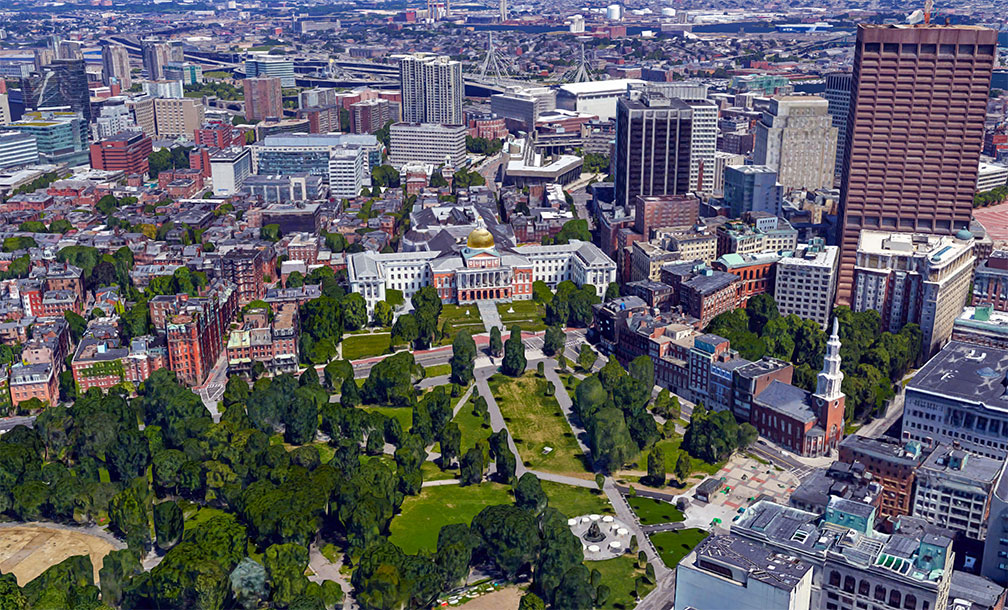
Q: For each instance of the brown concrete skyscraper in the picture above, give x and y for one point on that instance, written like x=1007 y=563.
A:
x=915 y=129
x=263 y=98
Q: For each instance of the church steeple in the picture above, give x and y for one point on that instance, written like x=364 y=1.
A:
x=831 y=378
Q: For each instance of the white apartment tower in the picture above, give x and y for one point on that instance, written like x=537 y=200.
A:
x=432 y=89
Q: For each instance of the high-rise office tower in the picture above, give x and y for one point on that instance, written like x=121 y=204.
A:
x=838 y=94
x=156 y=54
x=752 y=188
x=42 y=58
x=62 y=83
x=653 y=143
x=261 y=64
x=797 y=139
x=915 y=129
x=116 y=66
x=432 y=89
x=263 y=98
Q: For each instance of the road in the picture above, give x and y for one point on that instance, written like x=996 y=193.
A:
x=9 y=423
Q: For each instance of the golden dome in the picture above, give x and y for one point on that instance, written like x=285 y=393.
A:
x=480 y=238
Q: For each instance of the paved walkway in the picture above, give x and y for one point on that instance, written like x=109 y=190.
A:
x=489 y=314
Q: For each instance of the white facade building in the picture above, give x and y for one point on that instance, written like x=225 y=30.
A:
x=267 y=65
x=171 y=89
x=806 y=282
x=914 y=278
x=477 y=270
x=991 y=176
x=596 y=97
x=703 y=145
x=17 y=149
x=427 y=143
x=731 y=572
x=348 y=171
x=228 y=170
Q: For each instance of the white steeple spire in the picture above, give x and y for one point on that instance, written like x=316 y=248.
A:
x=831 y=378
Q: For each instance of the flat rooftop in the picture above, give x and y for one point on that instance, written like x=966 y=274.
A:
x=968 y=373
x=758 y=562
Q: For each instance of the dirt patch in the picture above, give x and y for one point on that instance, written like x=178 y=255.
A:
x=28 y=550
x=507 y=598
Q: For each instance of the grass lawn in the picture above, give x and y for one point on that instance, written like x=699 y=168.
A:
x=432 y=472
x=356 y=347
x=527 y=314
x=438 y=370
x=403 y=414
x=619 y=575
x=673 y=546
x=459 y=317
x=671 y=448
x=570 y=382
x=576 y=501
x=473 y=429
x=201 y=515
x=652 y=512
x=416 y=527
x=535 y=422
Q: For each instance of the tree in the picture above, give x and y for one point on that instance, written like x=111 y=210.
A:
x=383 y=314
x=612 y=291
x=761 y=309
x=285 y=564
x=508 y=537
x=610 y=439
x=405 y=329
x=248 y=584
x=586 y=358
x=295 y=279
x=531 y=601
x=514 y=362
x=118 y=568
x=77 y=325
x=354 y=312
x=167 y=524
x=463 y=358
x=471 y=468
x=683 y=468
x=349 y=395
x=656 y=467
x=454 y=553
x=561 y=361
x=496 y=343
x=573 y=229
x=451 y=444
x=529 y=494
x=270 y=232
x=554 y=340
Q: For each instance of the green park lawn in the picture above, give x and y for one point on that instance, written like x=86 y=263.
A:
x=432 y=472
x=652 y=512
x=356 y=347
x=673 y=546
x=671 y=448
x=459 y=317
x=472 y=427
x=403 y=414
x=195 y=515
x=576 y=501
x=536 y=421
x=570 y=382
x=619 y=575
x=416 y=527
x=527 y=314
x=438 y=369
